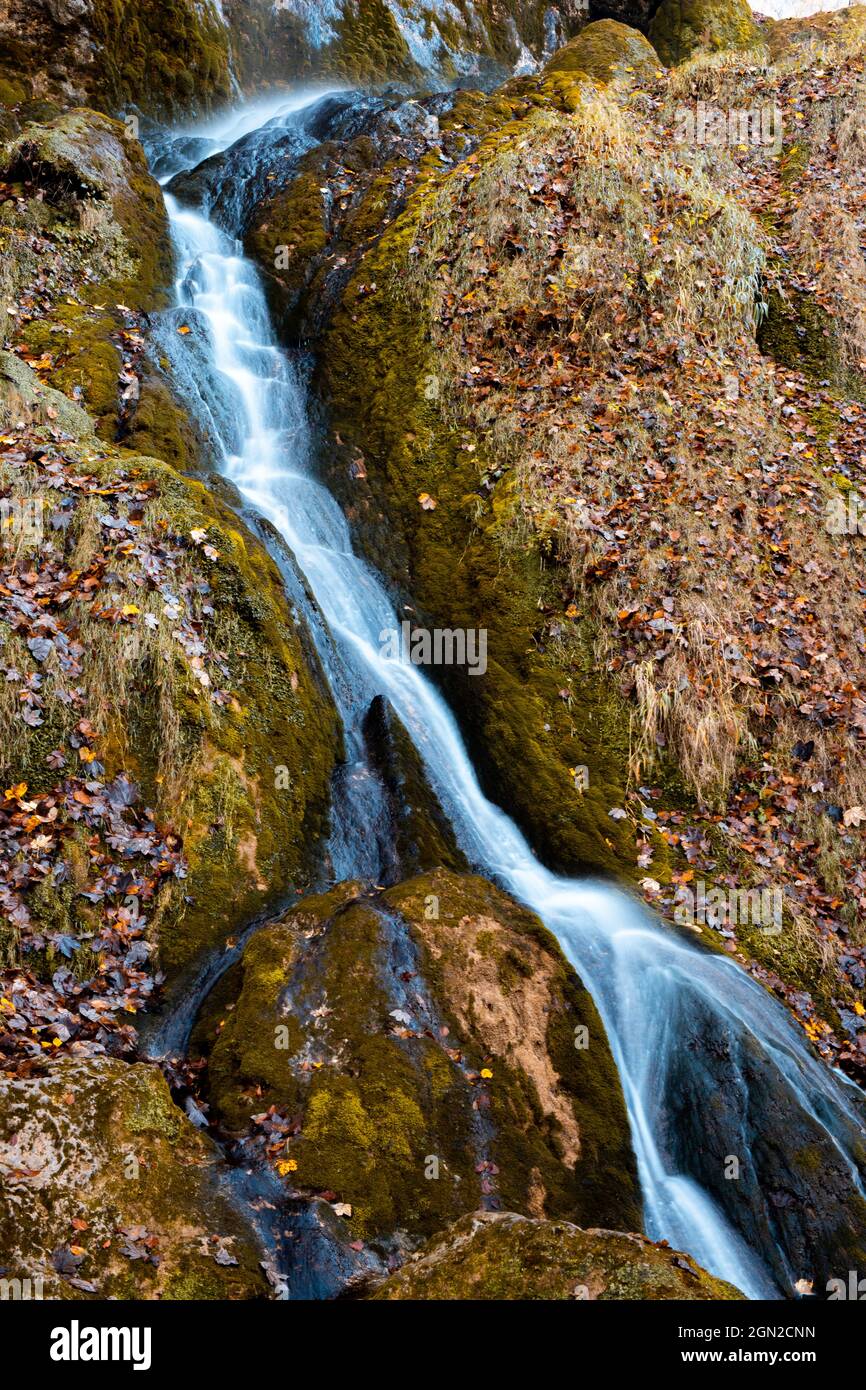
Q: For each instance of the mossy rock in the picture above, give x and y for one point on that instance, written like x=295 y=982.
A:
x=85 y=186
x=390 y=1023
x=102 y=1143
x=25 y=399
x=256 y=774
x=160 y=427
x=681 y=28
x=505 y=1256
x=535 y=715
x=603 y=50
x=423 y=837
x=244 y=780
x=165 y=57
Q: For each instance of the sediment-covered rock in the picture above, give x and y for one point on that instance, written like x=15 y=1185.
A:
x=504 y=1256
x=107 y=1190
x=431 y=1052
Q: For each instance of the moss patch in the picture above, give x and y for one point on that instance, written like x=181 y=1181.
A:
x=102 y=1142
x=507 y=1257
x=679 y=28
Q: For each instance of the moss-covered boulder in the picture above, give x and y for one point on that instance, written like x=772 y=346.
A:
x=680 y=28
x=439 y=1055
x=197 y=680
x=161 y=56
x=107 y=1190
x=87 y=230
x=606 y=49
x=506 y=1256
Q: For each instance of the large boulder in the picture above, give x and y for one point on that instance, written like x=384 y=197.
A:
x=491 y=1256
x=432 y=1052
x=680 y=28
x=107 y=1190
x=606 y=49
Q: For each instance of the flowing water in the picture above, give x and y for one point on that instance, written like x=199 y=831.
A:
x=669 y=1009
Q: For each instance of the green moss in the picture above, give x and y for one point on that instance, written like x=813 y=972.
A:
x=369 y=46
x=163 y=56
x=464 y=570
x=680 y=28
x=798 y=333
x=162 y=429
x=489 y=1257
x=246 y=1020
x=602 y=1186
x=604 y=49
x=124 y=1157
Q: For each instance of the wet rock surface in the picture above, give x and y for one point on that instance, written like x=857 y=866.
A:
x=778 y=1174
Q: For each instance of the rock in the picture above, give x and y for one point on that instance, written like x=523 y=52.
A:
x=207 y=712
x=239 y=774
x=792 y=1193
x=606 y=49
x=161 y=56
x=84 y=184
x=505 y=1256
x=24 y=398
x=681 y=28
x=66 y=11
x=430 y=1038
x=106 y=1189
x=419 y=836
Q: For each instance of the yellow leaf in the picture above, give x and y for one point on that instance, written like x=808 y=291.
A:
x=486 y=1073
x=130 y=609
x=286 y=1165
x=859 y=1010
x=15 y=793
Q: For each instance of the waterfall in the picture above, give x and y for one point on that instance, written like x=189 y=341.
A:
x=666 y=1005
